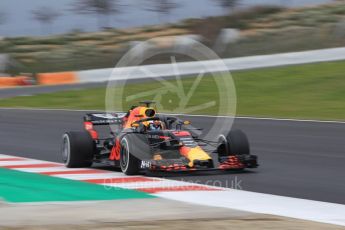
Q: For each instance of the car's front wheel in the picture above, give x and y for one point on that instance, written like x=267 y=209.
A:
x=234 y=143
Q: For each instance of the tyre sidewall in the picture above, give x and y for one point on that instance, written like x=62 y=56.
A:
x=235 y=143
x=124 y=145
x=80 y=149
x=131 y=166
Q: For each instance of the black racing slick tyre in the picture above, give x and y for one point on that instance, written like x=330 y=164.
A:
x=77 y=149
x=128 y=162
x=234 y=143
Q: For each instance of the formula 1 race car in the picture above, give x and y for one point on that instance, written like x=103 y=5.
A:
x=143 y=140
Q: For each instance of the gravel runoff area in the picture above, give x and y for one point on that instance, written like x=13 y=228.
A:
x=125 y=214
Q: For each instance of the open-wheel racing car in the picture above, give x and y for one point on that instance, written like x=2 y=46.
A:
x=143 y=140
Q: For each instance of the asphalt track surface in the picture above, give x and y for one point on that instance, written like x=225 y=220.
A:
x=297 y=158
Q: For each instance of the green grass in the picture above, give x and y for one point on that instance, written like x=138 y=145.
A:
x=16 y=186
x=312 y=91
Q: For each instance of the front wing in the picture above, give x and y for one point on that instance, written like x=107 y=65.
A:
x=180 y=165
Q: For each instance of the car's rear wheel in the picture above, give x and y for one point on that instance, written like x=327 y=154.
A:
x=77 y=149
x=129 y=164
x=234 y=143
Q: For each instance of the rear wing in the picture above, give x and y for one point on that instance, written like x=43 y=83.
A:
x=104 y=118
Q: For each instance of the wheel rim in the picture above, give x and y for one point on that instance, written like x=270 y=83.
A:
x=124 y=155
x=65 y=149
x=222 y=145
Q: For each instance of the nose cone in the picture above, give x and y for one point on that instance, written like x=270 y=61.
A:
x=194 y=154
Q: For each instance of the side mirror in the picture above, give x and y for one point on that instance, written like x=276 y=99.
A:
x=135 y=125
x=187 y=123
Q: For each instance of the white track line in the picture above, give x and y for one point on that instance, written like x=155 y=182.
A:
x=26 y=162
x=9 y=156
x=91 y=176
x=48 y=109
x=195 y=115
x=261 y=118
x=52 y=169
x=264 y=203
x=151 y=184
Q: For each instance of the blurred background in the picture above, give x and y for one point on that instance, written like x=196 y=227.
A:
x=69 y=35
